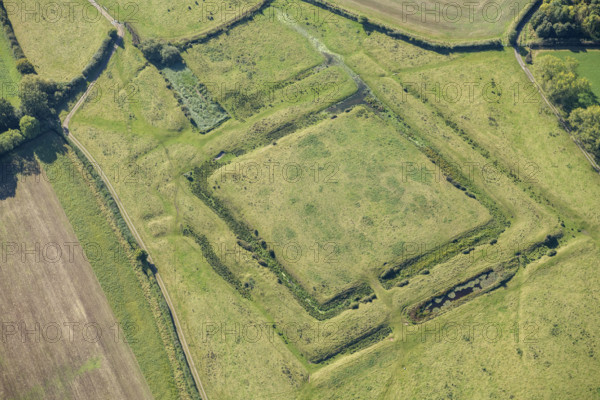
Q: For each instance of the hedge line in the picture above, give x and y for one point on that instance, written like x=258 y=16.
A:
x=428 y=44
x=518 y=24
x=101 y=54
x=105 y=194
x=557 y=44
x=10 y=33
x=189 y=381
x=186 y=43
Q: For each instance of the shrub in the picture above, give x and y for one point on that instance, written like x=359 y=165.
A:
x=8 y=117
x=30 y=127
x=37 y=96
x=9 y=140
x=25 y=67
x=586 y=124
x=159 y=52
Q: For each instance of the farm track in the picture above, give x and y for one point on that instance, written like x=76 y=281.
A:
x=128 y=221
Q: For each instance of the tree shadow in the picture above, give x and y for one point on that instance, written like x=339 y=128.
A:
x=22 y=163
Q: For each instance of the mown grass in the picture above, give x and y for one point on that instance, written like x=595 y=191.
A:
x=588 y=64
x=73 y=32
x=114 y=266
x=9 y=76
x=342 y=198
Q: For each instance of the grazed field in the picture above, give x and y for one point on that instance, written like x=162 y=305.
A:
x=60 y=336
x=168 y=20
x=532 y=329
x=334 y=192
x=154 y=153
x=343 y=197
x=73 y=30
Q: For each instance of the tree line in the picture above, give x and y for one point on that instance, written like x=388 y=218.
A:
x=564 y=19
x=573 y=94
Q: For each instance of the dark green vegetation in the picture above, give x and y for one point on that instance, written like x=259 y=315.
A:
x=587 y=64
x=566 y=19
x=196 y=103
x=574 y=94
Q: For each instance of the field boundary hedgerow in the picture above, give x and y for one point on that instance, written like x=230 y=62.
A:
x=15 y=46
x=186 y=43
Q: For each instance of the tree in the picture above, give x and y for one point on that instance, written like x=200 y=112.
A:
x=8 y=117
x=169 y=55
x=30 y=127
x=9 y=140
x=152 y=50
x=25 y=67
x=159 y=53
x=141 y=256
x=34 y=97
x=562 y=84
x=586 y=123
x=545 y=30
x=591 y=26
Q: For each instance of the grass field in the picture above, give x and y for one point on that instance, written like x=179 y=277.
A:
x=9 y=76
x=445 y=20
x=54 y=289
x=163 y=19
x=242 y=82
x=74 y=32
x=540 y=154
x=517 y=342
x=588 y=64
x=262 y=340
x=343 y=197
x=154 y=154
